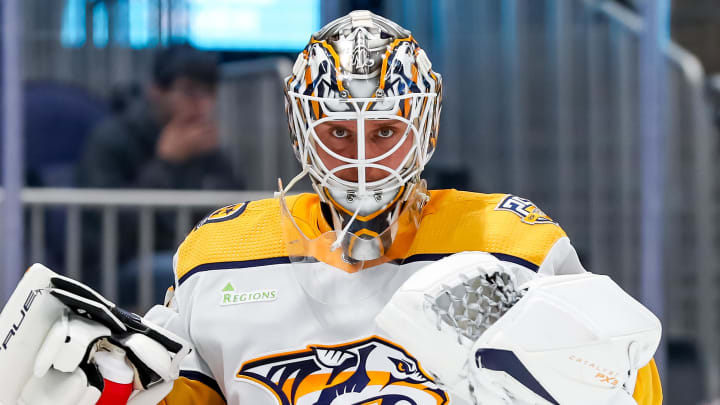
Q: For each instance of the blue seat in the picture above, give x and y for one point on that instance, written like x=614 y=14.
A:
x=58 y=118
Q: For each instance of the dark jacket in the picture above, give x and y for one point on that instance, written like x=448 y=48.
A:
x=120 y=153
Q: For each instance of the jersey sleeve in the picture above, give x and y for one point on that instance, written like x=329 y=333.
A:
x=561 y=259
x=196 y=385
x=648 y=390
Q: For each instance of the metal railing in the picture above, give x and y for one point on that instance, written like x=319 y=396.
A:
x=72 y=202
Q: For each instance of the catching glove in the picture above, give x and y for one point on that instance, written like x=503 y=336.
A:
x=511 y=337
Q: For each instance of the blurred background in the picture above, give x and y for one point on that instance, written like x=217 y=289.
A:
x=126 y=121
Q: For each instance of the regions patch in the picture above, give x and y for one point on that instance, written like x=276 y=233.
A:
x=368 y=371
x=223 y=214
x=528 y=212
x=229 y=296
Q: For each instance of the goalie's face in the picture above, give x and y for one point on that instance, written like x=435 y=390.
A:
x=375 y=151
x=363 y=106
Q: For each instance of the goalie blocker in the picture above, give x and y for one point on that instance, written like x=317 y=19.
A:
x=52 y=327
x=490 y=336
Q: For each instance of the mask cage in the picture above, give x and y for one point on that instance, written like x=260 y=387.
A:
x=416 y=110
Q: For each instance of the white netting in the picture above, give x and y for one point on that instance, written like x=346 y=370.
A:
x=476 y=304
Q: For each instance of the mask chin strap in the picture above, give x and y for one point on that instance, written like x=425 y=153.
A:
x=336 y=218
x=341 y=235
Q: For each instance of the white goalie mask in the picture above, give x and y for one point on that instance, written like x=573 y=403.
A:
x=363 y=107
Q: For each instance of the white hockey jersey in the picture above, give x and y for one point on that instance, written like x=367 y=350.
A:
x=268 y=331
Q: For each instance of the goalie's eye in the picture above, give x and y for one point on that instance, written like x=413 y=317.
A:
x=340 y=133
x=385 y=133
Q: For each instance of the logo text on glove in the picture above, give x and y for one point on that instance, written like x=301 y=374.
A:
x=606 y=379
x=603 y=374
x=16 y=326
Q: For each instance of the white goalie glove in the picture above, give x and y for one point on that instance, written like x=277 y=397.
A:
x=495 y=333
x=56 y=328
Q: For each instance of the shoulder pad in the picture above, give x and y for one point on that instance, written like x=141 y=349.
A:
x=236 y=233
x=456 y=221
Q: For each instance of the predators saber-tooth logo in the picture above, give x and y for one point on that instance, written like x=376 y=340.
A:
x=371 y=371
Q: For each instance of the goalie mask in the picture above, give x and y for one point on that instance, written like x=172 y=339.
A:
x=363 y=107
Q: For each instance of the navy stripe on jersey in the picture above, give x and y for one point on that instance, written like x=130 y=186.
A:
x=517 y=260
x=234 y=265
x=200 y=377
x=505 y=360
x=423 y=257
x=431 y=257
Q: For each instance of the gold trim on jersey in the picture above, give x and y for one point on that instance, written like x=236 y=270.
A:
x=452 y=221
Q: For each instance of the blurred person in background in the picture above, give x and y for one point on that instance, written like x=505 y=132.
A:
x=165 y=139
